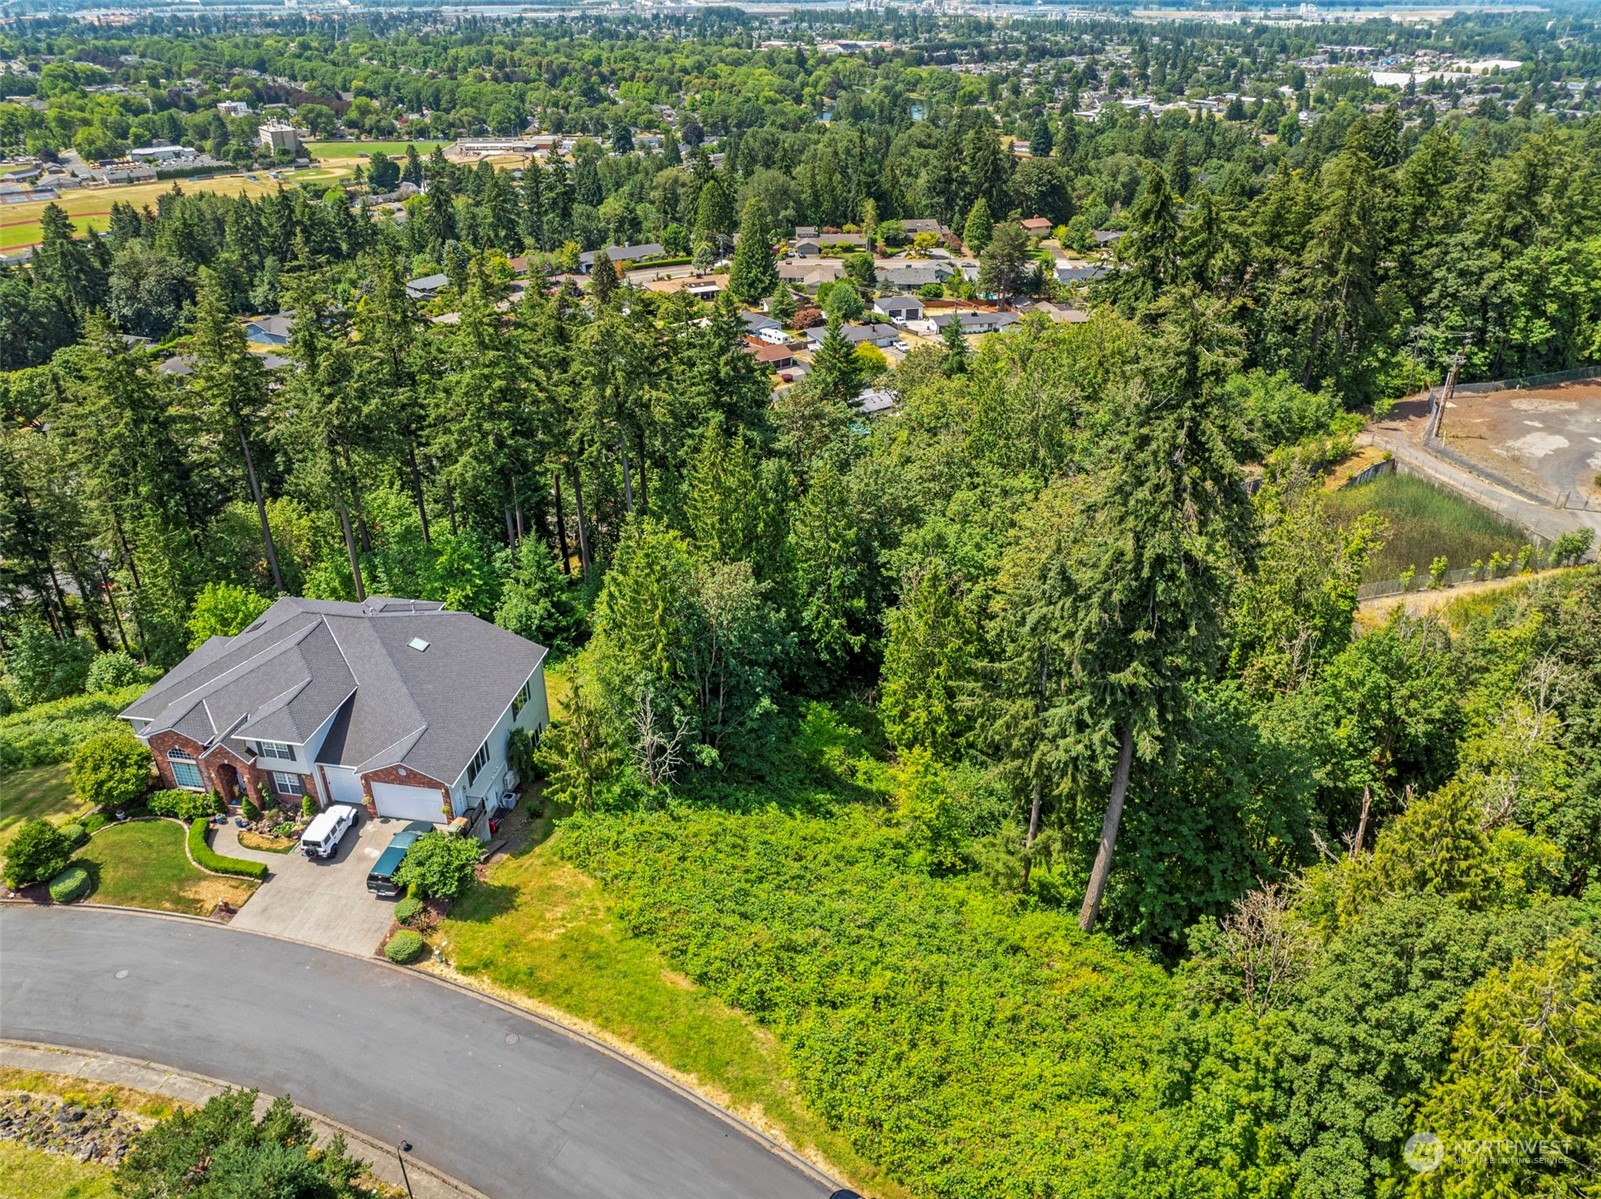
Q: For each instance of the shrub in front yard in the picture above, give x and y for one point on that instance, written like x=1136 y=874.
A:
x=71 y=885
x=404 y=947
x=73 y=834
x=249 y=810
x=209 y=859
x=38 y=852
x=182 y=805
x=408 y=909
x=439 y=866
x=308 y=807
x=111 y=769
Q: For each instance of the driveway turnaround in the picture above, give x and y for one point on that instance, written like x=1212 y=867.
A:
x=322 y=903
x=492 y=1097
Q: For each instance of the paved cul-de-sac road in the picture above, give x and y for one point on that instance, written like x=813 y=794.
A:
x=500 y=1101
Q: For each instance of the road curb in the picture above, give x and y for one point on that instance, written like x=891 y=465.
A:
x=745 y=1128
x=382 y=1156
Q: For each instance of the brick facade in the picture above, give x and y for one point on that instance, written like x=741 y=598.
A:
x=406 y=777
x=256 y=782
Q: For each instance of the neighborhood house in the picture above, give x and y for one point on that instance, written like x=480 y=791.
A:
x=394 y=704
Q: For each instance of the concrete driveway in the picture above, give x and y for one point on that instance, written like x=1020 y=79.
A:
x=322 y=903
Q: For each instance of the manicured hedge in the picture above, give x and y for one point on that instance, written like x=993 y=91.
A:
x=70 y=885
x=184 y=805
x=404 y=947
x=74 y=835
x=408 y=909
x=209 y=859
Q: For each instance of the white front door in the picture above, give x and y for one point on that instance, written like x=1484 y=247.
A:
x=409 y=803
x=344 y=785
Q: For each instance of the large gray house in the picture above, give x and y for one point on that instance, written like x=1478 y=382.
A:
x=395 y=704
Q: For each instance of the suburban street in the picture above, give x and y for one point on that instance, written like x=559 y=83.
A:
x=490 y=1097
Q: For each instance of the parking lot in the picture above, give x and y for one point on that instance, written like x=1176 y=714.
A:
x=323 y=903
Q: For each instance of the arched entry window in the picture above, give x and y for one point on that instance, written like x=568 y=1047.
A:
x=184 y=771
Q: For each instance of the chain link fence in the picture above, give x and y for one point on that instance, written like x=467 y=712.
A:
x=1535 y=563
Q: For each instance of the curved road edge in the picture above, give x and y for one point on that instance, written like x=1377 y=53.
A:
x=156 y=1078
x=540 y=1016
x=743 y=1129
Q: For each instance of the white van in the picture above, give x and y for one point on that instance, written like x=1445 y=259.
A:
x=326 y=830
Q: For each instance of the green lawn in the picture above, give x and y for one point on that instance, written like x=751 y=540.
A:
x=357 y=149
x=142 y=864
x=1425 y=522
x=43 y=791
x=34 y=1174
x=539 y=928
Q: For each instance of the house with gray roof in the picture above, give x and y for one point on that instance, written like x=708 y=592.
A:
x=621 y=254
x=425 y=287
x=395 y=704
x=902 y=273
x=899 y=308
x=271 y=330
x=973 y=322
x=857 y=335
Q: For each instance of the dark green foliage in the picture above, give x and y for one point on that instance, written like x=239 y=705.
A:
x=112 y=672
x=36 y=853
x=40 y=667
x=248 y=809
x=71 y=885
x=209 y=859
x=439 y=866
x=182 y=805
x=536 y=600
x=408 y=909
x=74 y=835
x=914 y=1009
x=111 y=769
x=224 y=1150
x=405 y=947
x=1371 y=1029
x=754 y=274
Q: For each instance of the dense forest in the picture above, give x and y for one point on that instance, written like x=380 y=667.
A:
x=1005 y=755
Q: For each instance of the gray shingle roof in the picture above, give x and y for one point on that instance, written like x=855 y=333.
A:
x=305 y=662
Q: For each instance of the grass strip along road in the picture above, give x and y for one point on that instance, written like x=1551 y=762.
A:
x=501 y=1101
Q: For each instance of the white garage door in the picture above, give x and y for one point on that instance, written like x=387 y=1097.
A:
x=409 y=803
x=344 y=784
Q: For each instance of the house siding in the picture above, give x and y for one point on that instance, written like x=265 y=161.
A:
x=491 y=779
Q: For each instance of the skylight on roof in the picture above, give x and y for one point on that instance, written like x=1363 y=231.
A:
x=418 y=644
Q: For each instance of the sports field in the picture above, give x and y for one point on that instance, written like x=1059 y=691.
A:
x=90 y=208
x=331 y=151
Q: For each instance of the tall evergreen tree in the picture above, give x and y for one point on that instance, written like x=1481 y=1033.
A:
x=836 y=370
x=754 y=275
x=1167 y=524
x=229 y=388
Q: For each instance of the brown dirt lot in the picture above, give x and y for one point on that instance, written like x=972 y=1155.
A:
x=1545 y=440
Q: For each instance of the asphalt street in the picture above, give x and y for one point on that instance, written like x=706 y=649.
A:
x=488 y=1096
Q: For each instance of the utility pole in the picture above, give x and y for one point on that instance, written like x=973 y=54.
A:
x=1446 y=392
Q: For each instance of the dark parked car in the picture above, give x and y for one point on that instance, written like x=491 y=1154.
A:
x=382 y=879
